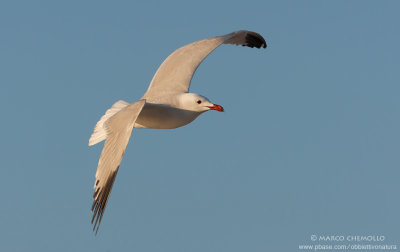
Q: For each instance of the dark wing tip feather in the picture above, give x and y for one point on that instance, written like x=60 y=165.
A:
x=254 y=39
x=100 y=198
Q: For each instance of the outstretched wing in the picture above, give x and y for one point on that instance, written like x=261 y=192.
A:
x=176 y=72
x=119 y=129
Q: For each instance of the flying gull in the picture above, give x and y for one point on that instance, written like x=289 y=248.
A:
x=167 y=104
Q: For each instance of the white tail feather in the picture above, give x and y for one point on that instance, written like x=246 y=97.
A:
x=99 y=133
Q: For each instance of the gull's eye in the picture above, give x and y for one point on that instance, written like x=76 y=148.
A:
x=198 y=102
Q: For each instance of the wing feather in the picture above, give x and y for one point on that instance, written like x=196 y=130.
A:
x=119 y=128
x=176 y=72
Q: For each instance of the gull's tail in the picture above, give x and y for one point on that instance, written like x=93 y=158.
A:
x=99 y=134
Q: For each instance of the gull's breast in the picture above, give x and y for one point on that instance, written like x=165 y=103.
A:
x=159 y=116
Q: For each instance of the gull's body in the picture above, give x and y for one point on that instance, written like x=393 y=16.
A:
x=156 y=116
x=165 y=105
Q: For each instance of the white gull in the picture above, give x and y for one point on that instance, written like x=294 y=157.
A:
x=165 y=105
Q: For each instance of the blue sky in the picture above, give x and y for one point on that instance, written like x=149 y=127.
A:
x=309 y=142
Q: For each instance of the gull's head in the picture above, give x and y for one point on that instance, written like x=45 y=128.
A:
x=197 y=103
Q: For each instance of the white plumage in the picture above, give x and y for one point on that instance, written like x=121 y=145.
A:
x=165 y=105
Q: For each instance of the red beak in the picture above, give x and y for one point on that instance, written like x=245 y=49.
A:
x=216 y=107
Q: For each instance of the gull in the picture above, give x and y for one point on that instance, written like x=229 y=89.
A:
x=167 y=104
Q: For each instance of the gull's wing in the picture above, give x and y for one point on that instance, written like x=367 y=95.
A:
x=175 y=73
x=119 y=128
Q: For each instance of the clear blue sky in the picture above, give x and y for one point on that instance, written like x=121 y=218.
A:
x=309 y=143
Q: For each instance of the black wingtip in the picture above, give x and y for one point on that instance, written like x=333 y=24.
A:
x=254 y=39
x=100 y=201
